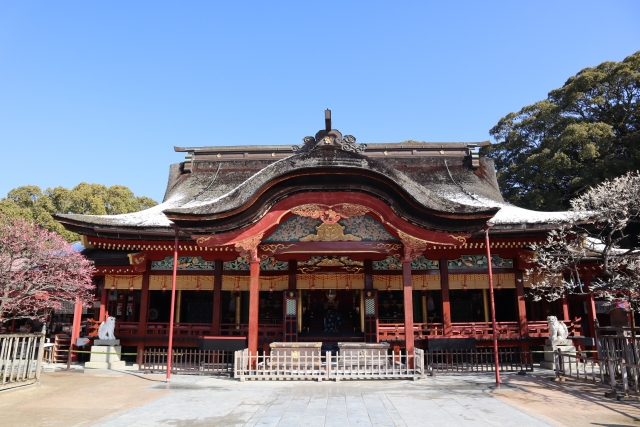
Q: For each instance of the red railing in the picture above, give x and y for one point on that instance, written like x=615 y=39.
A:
x=478 y=330
x=271 y=332
x=161 y=330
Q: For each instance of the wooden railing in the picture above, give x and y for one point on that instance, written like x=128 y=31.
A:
x=478 y=330
x=189 y=361
x=161 y=330
x=20 y=359
x=395 y=331
x=330 y=366
x=479 y=360
x=271 y=332
x=265 y=332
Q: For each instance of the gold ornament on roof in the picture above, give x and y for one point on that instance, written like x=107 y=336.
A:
x=330 y=214
x=330 y=233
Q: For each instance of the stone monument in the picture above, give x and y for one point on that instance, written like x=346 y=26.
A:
x=103 y=349
x=558 y=339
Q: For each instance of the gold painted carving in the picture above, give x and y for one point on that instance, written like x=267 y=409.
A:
x=353 y=269
x=330 y=214
x=460 y=239
x=306 y=270
x=330 y=233
x=249 y=247
x=411 y=242
x=348 y=209
x=389 y=246
x=202 y=240
x=330 y=262
x=274 y=247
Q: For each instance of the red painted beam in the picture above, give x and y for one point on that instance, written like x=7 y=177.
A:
x=392 y=222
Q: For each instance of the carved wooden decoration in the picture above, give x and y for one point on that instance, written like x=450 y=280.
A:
x=249 y=247
x=330 y=233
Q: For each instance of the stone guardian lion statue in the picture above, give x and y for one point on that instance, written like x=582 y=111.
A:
x=557 y=330
x=106 y=329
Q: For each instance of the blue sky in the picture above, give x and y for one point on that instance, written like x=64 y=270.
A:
x=102 y=91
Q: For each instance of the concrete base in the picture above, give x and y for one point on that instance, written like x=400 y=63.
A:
x=105 y=354
x=558 y=342
x=564 y=345
x=549 y=349
x=106 y=342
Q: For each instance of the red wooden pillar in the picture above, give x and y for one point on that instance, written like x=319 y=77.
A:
x=75 y=329
x=103 y=303
x=523 y=326
x=446 y=305
x=144 y=313
x=407 y=287
x=173 y=306
x=217 y=298
x=565 y=308
x=254 y=302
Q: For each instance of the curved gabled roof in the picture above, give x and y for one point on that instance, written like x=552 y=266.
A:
x=435 y=186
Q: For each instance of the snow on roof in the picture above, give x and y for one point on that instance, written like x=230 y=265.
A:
x=510 y=214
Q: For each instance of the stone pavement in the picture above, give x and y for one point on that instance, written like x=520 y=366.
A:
x=440 y=401
x=128 y=399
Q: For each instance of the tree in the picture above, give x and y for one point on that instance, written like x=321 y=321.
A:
x=593 y=236
x=31 y=203
x=585 y=132
x=39 y=271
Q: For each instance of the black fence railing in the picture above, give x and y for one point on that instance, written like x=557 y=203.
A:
x=189 y=361
x=479 y=360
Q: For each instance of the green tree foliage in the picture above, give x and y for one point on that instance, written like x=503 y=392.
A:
x=31 y=203
x=584 y=133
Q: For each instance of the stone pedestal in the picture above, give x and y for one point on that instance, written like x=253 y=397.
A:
x=564 y=345
x=100 y=360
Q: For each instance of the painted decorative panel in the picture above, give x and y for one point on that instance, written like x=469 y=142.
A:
x=330 y=261
x=293 y=229
x=479 y=261
x=363 y=227
x=389 y=263
x=272 y=264
x=267 y=264
x=184 y=263
x=421 y=263
x=367 y=228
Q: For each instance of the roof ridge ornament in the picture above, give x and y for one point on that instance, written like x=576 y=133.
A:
x=329 y=138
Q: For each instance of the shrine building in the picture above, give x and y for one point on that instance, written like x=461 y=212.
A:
x=329 y=241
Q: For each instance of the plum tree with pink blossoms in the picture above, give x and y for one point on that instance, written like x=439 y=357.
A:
x=39 y=271
x=596 y=235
